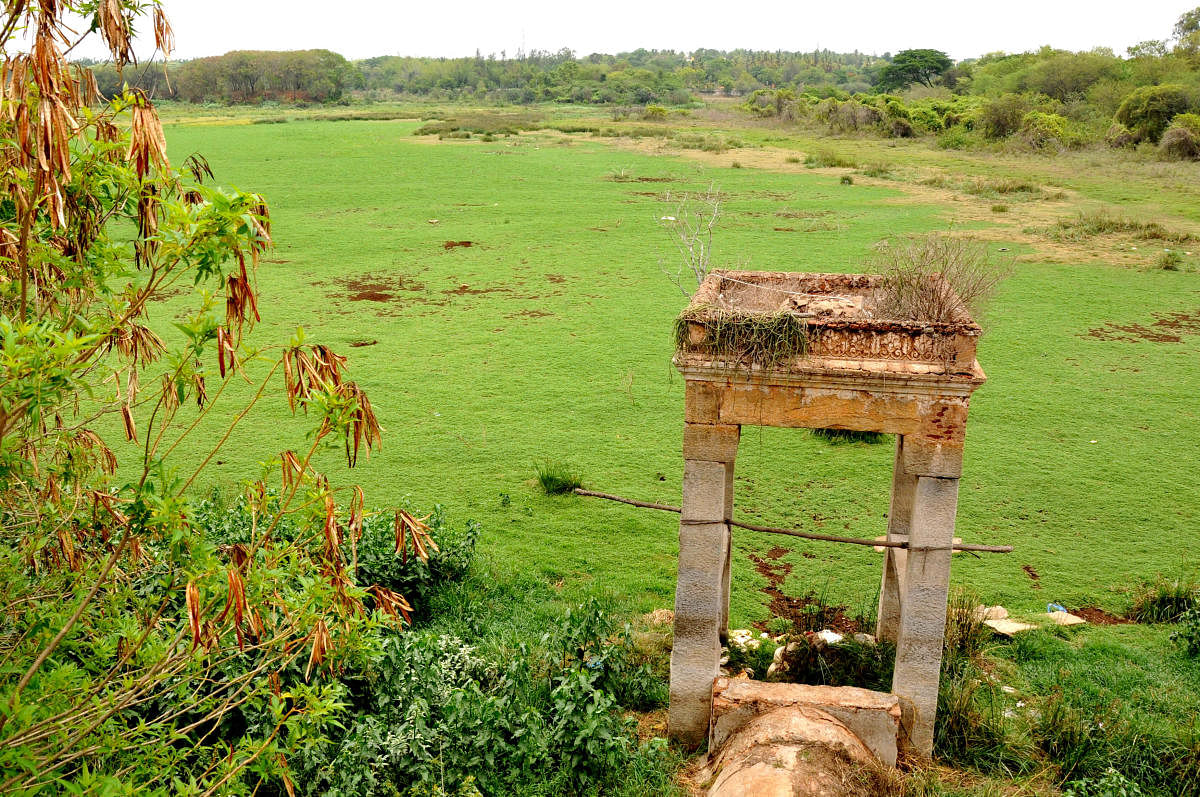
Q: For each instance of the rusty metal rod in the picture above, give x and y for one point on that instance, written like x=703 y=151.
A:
x=807 y=535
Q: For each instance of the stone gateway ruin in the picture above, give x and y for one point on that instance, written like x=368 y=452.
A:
x=806 y=351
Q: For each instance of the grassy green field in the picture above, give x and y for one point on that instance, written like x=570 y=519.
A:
x=550 y=338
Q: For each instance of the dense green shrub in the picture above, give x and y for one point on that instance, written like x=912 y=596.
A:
x=926 y=120
x=434 y=709
x=1002 y=116
x=1048 y=130
x=956 y=137
x=1119 y=136
x=1148 y=110
x=1188 y=634
x=1181 y=141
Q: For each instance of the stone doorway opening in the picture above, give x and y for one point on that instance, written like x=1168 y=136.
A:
x=807 y=351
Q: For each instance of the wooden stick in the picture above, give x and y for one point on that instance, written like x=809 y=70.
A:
x=795 y=533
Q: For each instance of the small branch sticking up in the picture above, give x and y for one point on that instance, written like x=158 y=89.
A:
x=690 y=229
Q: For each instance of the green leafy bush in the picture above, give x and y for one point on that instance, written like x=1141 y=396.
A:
x=1003 y=116
x=1148 y=110
x=1181 y=141
x=1048 y=130
x=1188 y=635
x=432 y=708
x=1111 y=784
x=956 y=137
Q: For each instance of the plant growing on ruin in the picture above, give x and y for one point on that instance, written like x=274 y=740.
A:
x=935 y=278
x=766 y=340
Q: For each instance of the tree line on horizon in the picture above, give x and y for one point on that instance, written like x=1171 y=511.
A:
x=1050 y=97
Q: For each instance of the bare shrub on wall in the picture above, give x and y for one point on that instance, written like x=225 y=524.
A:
x=935 y=278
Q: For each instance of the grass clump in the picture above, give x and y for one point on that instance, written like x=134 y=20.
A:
x=557 y=478
x=1009 y=186
x=767 y=340
x=836 y=437
x=1090 y=225
x=1164 y=601
x=479 y=122
x=710 y=142
x=935 y=278
x=1169 y=260
x=825 y=159
x=880 y=169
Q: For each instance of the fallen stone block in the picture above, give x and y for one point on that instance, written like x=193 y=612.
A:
x=792 y=751
x=874 y=717
x=1065 y=618
x=990 y=613
x=1008 y=627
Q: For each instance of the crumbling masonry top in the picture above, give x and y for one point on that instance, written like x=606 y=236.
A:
x=771 y=324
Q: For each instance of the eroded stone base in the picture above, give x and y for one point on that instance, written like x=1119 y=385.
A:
x=872 y=717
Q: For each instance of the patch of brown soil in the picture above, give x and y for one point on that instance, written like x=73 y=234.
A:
x=804 y=612
x=355 y=344
x=802 y=214
x=378 y=287
x=530 y=314
x=1033 y=575
x=777 y=553
x=557 y=279
x=454 y=244
x=1100 y=617
x=467 y=290
x=1166 y=328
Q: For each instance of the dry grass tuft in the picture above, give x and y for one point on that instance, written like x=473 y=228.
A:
x=935 y=278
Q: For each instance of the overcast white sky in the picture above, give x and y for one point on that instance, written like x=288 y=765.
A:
x=962 y=28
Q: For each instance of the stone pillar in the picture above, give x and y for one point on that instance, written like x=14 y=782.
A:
x=891 y=587
x=926 y=582
x=702 y=588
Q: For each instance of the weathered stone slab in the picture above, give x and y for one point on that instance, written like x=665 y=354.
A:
x=789 y=751
x=874 y=717
x=1064 y=618
x=1008 y=627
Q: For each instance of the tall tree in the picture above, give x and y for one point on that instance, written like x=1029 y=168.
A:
x=914 y=66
